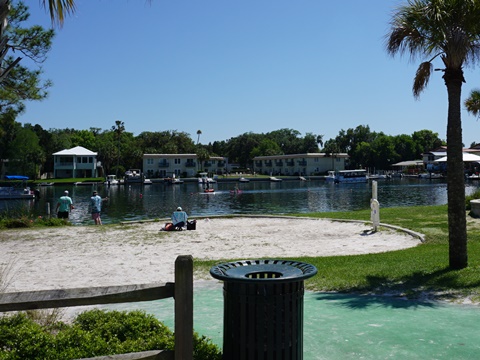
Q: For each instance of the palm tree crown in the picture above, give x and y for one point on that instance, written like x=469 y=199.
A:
x=427 y=29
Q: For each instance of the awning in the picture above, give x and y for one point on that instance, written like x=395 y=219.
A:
x=16 y=177
x=467 y=157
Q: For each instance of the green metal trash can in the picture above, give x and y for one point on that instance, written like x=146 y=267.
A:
x=263 y=308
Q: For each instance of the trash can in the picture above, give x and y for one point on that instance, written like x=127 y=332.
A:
x=263 y=308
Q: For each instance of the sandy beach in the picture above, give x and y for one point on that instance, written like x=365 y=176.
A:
x=81 y=256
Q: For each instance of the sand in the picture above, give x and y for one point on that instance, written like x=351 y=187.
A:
x=82 y=256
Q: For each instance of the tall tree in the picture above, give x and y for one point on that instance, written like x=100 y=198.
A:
x=449 y=30
x=118 y=130
x=19 y=83
x=199 y=132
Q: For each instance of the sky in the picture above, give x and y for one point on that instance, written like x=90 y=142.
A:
x=227 y=67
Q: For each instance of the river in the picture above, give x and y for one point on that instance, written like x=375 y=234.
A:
x=158 y=200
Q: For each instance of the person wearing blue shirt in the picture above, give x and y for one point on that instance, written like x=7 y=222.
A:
x=96 y=207
x=179 y=218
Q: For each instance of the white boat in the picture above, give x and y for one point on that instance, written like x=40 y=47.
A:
x=203 y=179
x=430 y=176
x=46 y=184
x=301 y=178
x=133 y=176
x=147 y=181
x=347 y=176
x=111 y=180
x=274 y=179
x=244 y=180
x=377 y=177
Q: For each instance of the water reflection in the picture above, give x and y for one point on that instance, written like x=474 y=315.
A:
x=135 y=202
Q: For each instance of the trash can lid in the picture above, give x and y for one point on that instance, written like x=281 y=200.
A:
x=263 y=270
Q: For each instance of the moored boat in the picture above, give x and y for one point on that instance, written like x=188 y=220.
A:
x=111 y=180
x=347 y=176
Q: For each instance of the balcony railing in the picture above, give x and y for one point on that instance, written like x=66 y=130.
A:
x=268 y=163
x=190 y=164
x=290 y=163
x=279 y=163
x=164 y=164
x=302 y=163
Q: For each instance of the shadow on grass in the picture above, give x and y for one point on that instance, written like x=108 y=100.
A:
x=416 y=290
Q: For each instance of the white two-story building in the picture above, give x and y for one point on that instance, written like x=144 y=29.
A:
x=299 y=164
x=76 y=162
x=181 y=165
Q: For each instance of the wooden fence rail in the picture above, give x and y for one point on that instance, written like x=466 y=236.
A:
x=181 y=291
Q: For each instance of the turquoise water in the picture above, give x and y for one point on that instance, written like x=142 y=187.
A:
x=345 y=326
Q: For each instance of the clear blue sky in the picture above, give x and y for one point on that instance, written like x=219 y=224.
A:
x=227 y=67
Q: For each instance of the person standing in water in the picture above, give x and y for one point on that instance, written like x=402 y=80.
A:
x=96 y=207
x=64 y=206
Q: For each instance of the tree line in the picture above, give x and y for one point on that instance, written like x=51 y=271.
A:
x=28 y=149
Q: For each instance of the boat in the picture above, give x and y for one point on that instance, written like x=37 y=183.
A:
x=20 y=192
x=13 y=193
x=301 y=178
x=209 y=190
x=46 y=184
x=134 y=176
x=378 y=177
x=244 y=180
x=173 y=180
x=274 y=179
x=111 y=180
x=205 y=179
x=347 y=176
x=428 y=175
x=147 y=181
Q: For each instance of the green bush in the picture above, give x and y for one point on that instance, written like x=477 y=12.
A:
x=92 y=333
x=475 y=195
x=28 y=221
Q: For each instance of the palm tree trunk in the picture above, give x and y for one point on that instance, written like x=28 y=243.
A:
x=457 y=224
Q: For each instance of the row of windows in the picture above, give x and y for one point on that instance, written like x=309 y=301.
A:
x=176 y=161
x=80 y=159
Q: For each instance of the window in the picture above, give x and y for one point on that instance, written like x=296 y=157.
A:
x=149 y=161
x=177 y=161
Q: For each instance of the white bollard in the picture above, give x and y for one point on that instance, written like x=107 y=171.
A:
x=375 y=214
x=375 y=207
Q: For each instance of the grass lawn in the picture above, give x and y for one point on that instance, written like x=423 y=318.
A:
x=409 y=272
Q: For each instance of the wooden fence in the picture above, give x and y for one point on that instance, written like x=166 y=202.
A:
x=181 y=291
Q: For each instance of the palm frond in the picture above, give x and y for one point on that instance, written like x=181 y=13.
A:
x=59 y=9
x=422 y=78
x=472 y=103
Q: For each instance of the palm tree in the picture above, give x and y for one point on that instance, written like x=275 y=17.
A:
x=199 y=132
x=473 y=103
x=59 y=9
x=118 y=129
x=449 y=30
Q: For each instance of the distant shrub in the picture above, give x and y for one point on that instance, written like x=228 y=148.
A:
x=475 y=195
x=25 y=221
x=92 y=333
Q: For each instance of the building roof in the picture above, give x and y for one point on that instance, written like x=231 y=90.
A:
x=305 y=155
x=409 y=163
x=77 y=150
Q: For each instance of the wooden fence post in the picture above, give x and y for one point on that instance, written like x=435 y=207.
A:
x=184 y=307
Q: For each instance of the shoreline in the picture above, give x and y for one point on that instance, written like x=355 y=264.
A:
x=135 y=253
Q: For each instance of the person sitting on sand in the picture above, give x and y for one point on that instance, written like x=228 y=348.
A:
x=179 y=218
